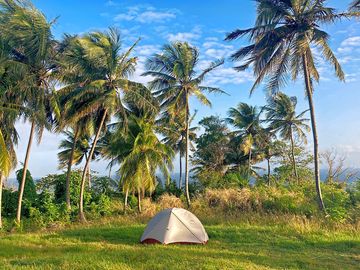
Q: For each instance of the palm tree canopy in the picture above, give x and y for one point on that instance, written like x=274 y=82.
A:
x=81 y=151
x=245 y=118
x=146 y=154
x=285 y=32
x=96 y=72
x=282 y=117
x=27 y=39
x=175 y=75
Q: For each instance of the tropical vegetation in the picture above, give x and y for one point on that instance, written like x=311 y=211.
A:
x=250 y=167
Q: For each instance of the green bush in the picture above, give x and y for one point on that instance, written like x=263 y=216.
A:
x=337 y=201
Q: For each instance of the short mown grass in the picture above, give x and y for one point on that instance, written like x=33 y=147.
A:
x=240 y=246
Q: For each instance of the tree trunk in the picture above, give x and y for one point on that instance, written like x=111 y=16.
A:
x=139 y=201
x=68 y=174
x=309 y=93
x=269 y=170
x=1 y=189
x=89 y=176
x=293 y=156
x=126 y=200
x=86 y=168
x=110 y=167
x=180 y=176
x=23 y=179
x=187 y=152
x=249 y=168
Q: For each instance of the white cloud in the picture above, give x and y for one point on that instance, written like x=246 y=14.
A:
x=352 y=41
x=185 y=36
x=143 y=52
x=111 y=3
x=153 y=16
x=146 y=15
x=216 y=49
x=227 y=75
x=350 y=45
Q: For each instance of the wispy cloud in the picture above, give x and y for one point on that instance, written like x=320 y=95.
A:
x=146 y=15
x=185 y=36
x=349 y=45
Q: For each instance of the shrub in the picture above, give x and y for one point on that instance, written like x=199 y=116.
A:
x=169 y=201
x=101 y=206
x=229 y=199
x=336 y=201
x=9 y=202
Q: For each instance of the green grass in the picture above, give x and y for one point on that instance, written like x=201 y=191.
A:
x=230 y=247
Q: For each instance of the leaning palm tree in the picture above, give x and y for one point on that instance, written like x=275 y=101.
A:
x=283 y=41
x=28 y=38
x=98 y=73
x=246 y=119
x=282 y=117
x=175 y=80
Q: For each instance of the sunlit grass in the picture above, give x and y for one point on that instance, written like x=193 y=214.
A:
x=240 y=246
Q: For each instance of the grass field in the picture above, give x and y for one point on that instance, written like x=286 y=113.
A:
x=230 y=247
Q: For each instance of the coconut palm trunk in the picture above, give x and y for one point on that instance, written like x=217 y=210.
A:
x=309 y=93
x=180 y=176
x=68 y=174
x=23 y=179
x=1 y=189
x=293 y=156
x=268 y=171
x=187 y=152
x=86 y=169
x=249 y=161
x=139 y=201
x=126 y=200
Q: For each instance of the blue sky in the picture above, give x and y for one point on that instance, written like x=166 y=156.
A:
x=204 y=24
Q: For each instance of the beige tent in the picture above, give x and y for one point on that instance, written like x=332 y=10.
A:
x=175 y=225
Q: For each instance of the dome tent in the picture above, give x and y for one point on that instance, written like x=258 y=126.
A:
x=175 y=225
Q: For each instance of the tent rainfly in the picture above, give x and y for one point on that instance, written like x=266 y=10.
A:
x=174 y=225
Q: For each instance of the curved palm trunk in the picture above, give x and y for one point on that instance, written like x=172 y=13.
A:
x=187 y=153
x=180 y=176
x=86 y=168
x=23 y=179
x=68 y=174
x=293 y=156
x=1 y=189
x=268 y=171
x=309 y=93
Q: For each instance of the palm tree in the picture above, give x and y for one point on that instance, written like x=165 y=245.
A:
x=76 y=148
x=283 y=41
x=246 y=119
x=175 y=133
x=146 y=154
x=281 y=116
x=98 y=71
x=175 y=81
x=355 y=5
x=5 y=165
x=28 y=38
